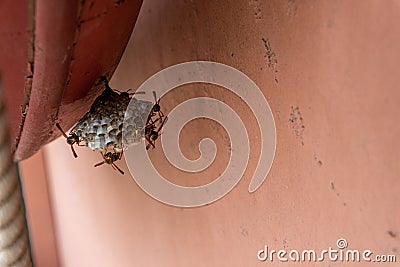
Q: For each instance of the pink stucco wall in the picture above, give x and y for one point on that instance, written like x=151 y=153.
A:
x=338 y=177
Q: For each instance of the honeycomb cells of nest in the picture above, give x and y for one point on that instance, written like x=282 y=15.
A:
x=103 y=126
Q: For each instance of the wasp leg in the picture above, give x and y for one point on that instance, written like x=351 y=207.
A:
x=100 y=163
x=150 y=117
x=153 y=122
x=80 y=144
x=121 y=171
x=160 y=114
x=162 y=124
x=73 y=152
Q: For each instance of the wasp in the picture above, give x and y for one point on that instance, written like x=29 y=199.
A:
x=126 y=94
x=152 y=133
x=110 y=158
x=156 y=110
x=72 y=138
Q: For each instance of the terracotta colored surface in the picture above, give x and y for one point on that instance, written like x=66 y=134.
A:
x=15 y=55
x=74 y=43
x=39 y=211
x=337 y=65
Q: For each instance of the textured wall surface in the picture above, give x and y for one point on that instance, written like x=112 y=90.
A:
x=329 y=72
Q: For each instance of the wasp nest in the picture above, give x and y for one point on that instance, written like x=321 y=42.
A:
x=101 y=127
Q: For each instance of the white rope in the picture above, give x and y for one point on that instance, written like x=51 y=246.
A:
x=14 y=246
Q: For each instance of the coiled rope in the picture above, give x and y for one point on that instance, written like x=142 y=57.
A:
x=14 y=245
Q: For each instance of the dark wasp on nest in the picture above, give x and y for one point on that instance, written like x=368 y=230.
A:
x=72 y=138
x=151 y=131
x=156 y=108
x=110 y=158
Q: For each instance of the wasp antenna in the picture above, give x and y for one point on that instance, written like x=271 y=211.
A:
x=155 y=96
x=134 y=93
x=138 y=93
x=105 y=81
x=61 y=130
